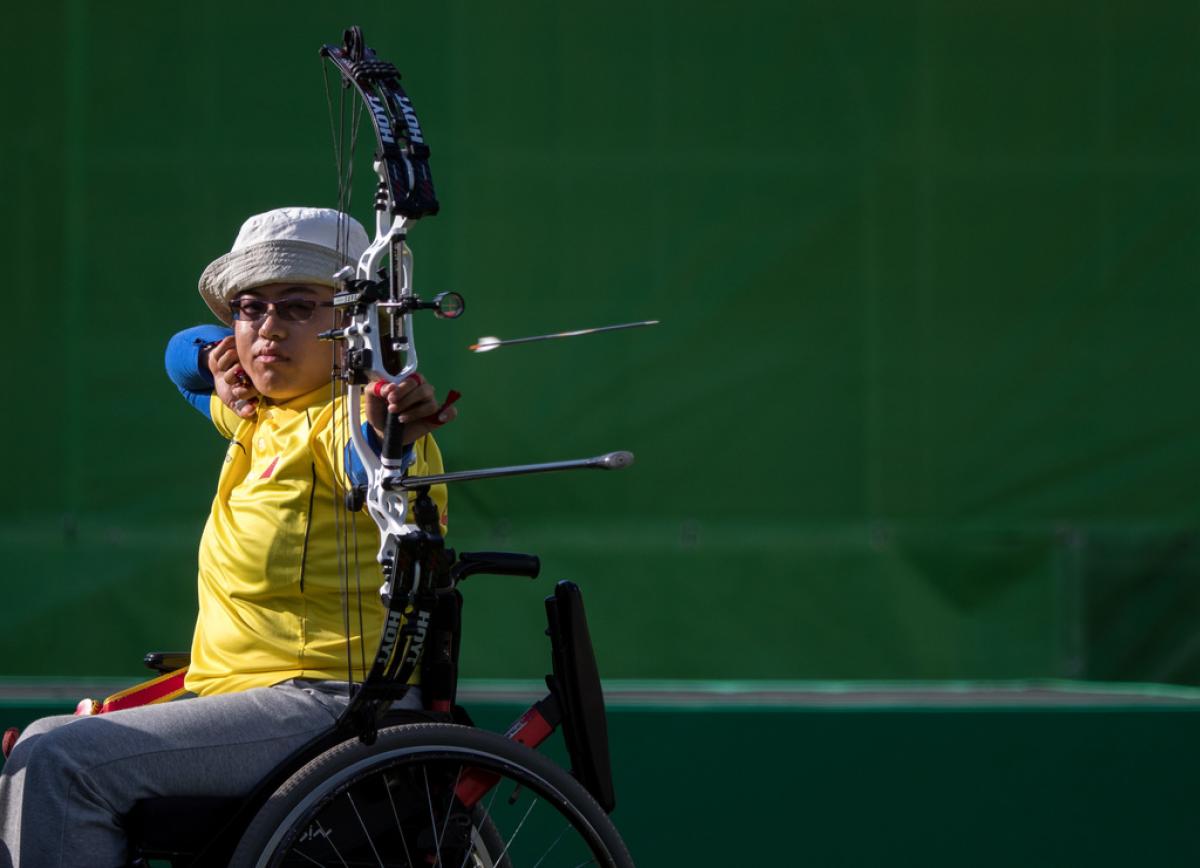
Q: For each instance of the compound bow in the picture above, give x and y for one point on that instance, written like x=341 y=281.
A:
x=376 y=302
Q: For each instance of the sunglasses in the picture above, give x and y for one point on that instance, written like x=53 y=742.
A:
x=255 y=310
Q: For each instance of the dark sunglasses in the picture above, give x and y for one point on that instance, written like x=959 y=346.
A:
x=255 y=310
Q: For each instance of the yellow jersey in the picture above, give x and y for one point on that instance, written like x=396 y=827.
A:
x=273 y=600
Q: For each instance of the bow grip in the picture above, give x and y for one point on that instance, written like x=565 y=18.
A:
x=393 y=441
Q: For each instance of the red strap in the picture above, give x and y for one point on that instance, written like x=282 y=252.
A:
x=10 y=738
x=432 y=418
x=164 y=688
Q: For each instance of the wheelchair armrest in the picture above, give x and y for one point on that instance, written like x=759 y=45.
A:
x=167 y=661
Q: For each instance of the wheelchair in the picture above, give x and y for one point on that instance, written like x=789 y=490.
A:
x=420 y=788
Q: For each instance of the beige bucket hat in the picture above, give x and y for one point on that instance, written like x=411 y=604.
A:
x=287 y=245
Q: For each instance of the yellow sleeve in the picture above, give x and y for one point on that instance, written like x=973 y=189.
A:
x=225 y=419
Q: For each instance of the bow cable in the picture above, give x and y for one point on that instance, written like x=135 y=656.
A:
x=345 y=519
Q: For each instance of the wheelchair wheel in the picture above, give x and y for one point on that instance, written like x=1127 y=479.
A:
x=431 y=794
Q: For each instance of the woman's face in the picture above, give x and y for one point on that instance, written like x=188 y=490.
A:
x=275 y=328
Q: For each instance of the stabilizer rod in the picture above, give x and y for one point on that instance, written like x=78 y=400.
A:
x=608 y=461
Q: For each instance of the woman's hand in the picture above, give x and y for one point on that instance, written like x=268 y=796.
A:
x=414 y=400
x=233 y=386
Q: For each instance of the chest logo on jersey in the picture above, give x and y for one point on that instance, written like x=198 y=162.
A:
x=266 y=474
x=229 y=453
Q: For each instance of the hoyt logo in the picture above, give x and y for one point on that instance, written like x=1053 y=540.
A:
x=391 y=631
x=386 y=135
x=410 y=118
x=381 y=119
x=395 y=626
x=418 y=628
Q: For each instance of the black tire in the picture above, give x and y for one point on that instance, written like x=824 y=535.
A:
x=401 y=802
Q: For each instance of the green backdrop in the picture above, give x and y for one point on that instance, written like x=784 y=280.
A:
x=921 y=403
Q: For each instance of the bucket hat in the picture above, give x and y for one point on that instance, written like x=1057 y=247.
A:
x=287 y=245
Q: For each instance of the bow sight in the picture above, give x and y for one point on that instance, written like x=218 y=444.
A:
x=358 y=298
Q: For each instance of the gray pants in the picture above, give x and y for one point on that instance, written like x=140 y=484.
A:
x=70 y=780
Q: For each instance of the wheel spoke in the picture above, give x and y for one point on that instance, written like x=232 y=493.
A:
x=432 y=819
x=487 y=813
x=453 y=794
x=450 y=809
x=305 y=856
x=466 y=855
x=399 y=826
x=328 y=840
x=554 y=844
x=366 y=831
x=516 y=831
